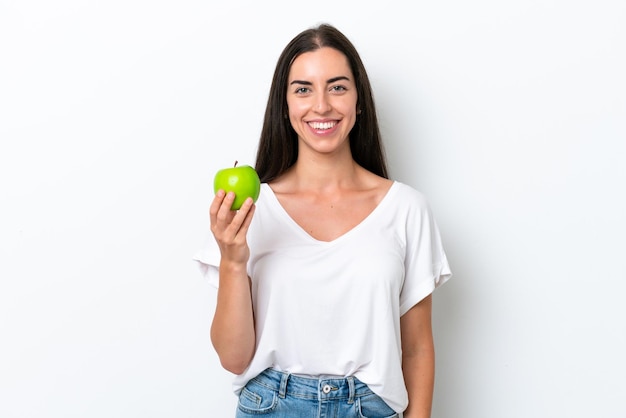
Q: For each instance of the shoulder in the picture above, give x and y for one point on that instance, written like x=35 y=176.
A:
x=373 y=184
x=266 y=196
x=409 y=195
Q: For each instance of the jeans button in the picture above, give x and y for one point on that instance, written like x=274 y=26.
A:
x=326 y=388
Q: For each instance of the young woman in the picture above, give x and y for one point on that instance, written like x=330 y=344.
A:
x=325 y=284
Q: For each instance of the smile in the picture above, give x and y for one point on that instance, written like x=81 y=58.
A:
x=322 y=125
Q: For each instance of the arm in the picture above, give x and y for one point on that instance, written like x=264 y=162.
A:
x=418 y=358
x=232 y=330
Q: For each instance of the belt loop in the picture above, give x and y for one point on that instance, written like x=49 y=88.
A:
x=351 y=388
x=282 y=391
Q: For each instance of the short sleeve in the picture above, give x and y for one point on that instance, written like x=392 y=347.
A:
x=426 y=265
x=208 y=260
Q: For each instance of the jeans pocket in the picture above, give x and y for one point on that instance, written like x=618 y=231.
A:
x=372 y=406
x=257 y=399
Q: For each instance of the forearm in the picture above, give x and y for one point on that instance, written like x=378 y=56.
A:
x=232 y=330
x=419 y=376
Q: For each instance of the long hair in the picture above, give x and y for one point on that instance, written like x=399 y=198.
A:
x=278 y=146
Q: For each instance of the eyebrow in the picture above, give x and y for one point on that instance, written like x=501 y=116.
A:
x=329 y=81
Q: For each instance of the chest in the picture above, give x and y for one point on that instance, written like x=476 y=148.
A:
x=326 y=219
x=366 y=263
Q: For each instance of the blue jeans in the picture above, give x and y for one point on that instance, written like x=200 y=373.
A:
x=282 y=395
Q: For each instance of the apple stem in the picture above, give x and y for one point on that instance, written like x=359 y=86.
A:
x=235 y=163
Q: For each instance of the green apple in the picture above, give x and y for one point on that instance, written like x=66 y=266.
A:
x=243 y=181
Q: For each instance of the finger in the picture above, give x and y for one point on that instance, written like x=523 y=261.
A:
x=215 y=205
x=224 y=212
x=243 y=230
x=240 y=218
x=221 y=216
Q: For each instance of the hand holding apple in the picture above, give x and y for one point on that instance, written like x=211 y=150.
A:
x=243 y=181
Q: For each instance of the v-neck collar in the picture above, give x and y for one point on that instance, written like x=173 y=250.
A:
x=267 y=190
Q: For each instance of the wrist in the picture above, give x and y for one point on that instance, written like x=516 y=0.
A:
x=233 y=268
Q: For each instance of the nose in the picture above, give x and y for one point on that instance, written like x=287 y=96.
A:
x=322 y=104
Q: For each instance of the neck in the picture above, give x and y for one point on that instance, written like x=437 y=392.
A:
x=325 y=172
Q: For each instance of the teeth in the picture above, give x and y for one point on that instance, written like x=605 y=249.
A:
x=320 y=125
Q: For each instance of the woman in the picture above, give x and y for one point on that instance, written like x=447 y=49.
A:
x=324 y=300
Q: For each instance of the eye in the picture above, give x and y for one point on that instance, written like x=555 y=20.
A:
x=302 y=90
x=338 y=89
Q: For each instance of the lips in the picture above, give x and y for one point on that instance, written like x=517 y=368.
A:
x=322 y=126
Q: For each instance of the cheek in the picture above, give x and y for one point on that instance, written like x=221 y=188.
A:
x=345 y=105
x=296 y=108
x=295 y=115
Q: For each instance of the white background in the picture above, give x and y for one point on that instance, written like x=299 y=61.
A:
x=114 y=116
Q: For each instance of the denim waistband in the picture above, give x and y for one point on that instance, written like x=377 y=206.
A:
x=322 y=388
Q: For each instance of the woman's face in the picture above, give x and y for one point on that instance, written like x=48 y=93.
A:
x=322 y=99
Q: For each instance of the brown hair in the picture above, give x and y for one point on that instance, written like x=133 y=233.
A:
x=278 y=146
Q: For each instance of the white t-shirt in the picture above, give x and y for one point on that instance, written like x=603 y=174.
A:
x=333 y=308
